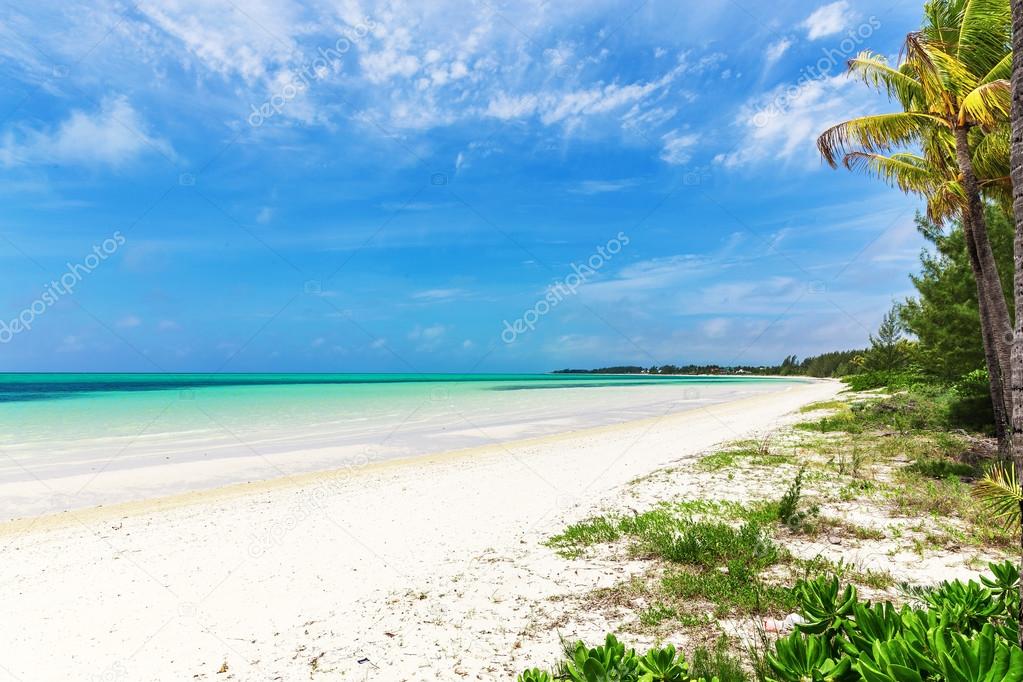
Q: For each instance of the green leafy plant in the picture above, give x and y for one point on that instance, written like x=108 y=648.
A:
x=788 y=507
x=1001 y=494
x=534 y=675
x=610 y=662
x=663 y=665
x=824 y=604
x=805 y=658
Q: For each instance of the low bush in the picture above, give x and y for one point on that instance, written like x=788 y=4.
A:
x=942 y=468
x=612 y=662
x=671 y=533
x=959 y=631
x=868 y=381
x=970 y=407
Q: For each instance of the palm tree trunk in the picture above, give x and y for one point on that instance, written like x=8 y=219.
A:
x=1003 y=429
x=1016 y=167
x=989 y=285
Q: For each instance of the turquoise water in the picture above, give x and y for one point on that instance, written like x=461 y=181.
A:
x=76 y=440
x=37 y=407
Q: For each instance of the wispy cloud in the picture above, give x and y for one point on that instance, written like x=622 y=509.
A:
x=827 y=20
x=777 y=50
x=590 y=187
x=783 y=125
x=439 y=295
x=112 y=135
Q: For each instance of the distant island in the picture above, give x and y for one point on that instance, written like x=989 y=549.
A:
x=834 y=364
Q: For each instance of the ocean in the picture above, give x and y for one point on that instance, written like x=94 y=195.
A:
x=108 y=437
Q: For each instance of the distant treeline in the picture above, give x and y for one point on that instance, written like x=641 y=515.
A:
x=835 y=364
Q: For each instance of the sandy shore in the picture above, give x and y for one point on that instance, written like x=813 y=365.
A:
x=432 y=569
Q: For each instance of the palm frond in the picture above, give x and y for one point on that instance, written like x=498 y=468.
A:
x=987 y=105
x=991 y=151
x=879 y=133
x=947 y=201
x=1000 y=71
x=1000 y=493
x=876 y=72
x=908 y=172
x=946 y=79
x=985 y=33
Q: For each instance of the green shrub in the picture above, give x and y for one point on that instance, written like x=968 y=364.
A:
x=788 y=508
x=868 y=381
x=966 y=633
x=970 y=407
x=942 y=468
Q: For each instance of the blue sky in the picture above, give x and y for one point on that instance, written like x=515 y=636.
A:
x=387 y=186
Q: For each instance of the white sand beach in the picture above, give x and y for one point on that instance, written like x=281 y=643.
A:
x=426 y=569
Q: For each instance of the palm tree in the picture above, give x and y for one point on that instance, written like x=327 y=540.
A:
x=1016 y=170
x=952 y=86
x=934 y=177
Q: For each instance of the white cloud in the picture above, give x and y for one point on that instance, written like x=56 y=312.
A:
x=783 y=125
x=382 y=66
x=264 y=215
x=505 y=106
x=70 y=344
x=777 y=50
x=430 y=333
x=428 y=338
x=227 y=41
x=590 y=187
x=716 y=328
x=676 y=147
x=435 y=295
x=128 y=322
x=113 y=135
x=827 y=20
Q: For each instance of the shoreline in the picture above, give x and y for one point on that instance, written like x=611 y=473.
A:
x=398 y=571
x=360 y=464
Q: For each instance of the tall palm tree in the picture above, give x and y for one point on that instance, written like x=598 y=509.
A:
x=933 y=177
x=1016 y=170
x=951 y=82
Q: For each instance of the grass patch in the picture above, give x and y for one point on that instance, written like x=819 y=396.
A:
x=845 y=422
x=717 y=663
x=576 y=537
x=734 y=591
x=848 y=528
x=942 y=468
x=716 y=461
x=819 y=565
x=672 y=531
x=825 y=405
x=756 y=453
x=701 y=543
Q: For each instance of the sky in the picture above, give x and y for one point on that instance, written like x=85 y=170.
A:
x=471 y=186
